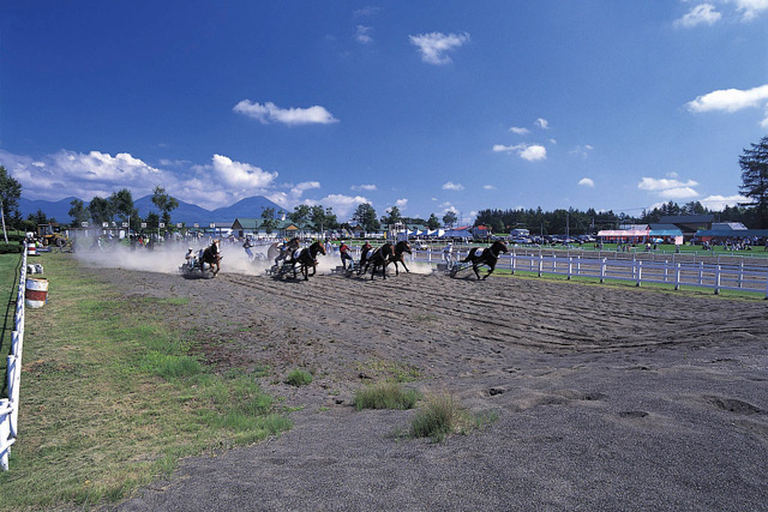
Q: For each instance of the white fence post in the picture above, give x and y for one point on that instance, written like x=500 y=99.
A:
x=741 y=272
x=513 y=258
x=554 y=263
x=677 y=277
x=541 y=263
x=570 y=267
x=717 y=281
x=666 y=270
x=639 y=272
x=701 y=273
x=602 y=270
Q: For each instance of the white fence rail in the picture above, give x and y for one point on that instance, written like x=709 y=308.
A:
x=9 y=407
x=737 y=276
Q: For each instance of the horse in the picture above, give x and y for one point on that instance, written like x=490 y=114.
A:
x=379 y=258
x=365 y=250
x=278 y=252
x=488 y=257
x=212 y=256
x=306 y=258
x=401 y=248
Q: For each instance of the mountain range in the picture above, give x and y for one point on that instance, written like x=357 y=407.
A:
x=186 y=212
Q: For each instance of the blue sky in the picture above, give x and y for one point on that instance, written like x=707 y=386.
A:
x=430 y=106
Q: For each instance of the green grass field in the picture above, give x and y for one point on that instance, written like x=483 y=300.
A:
x=111 y=397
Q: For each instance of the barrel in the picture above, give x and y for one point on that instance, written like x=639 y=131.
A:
x=32 y=250
x=37 y=292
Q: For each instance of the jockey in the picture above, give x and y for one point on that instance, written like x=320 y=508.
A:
x=247 y=246
x=344 y=251
x=448 y=252
x=190 y=258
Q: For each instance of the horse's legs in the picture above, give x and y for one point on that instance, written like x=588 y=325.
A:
x=397 y=273
x=474 y=267
x=406 y=268
x=490 y=271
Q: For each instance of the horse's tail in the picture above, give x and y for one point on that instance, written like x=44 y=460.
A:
x=470 y=255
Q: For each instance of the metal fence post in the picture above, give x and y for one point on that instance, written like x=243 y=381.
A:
x=677 y=277
x=717 y=281
x=514 y=261
x=578 y=265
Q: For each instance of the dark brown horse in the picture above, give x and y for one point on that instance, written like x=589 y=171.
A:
x=401 y=248
x=305 y=258
x=212 y=256
x=379 y=258
x=487 y=257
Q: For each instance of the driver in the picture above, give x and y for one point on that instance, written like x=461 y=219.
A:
x=190 y=258
x=344 y=251
x=448 y=253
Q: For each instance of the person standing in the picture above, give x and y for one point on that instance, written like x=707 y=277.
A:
x=344 y=252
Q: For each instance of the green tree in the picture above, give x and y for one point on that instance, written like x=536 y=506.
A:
x=323 y=218
x=754 y=179
x=121 y=203
x=39 y=217
x=152 y=220
x=365 y=215
x=165 y=203
x=393 y=217
x=77 y=212
x=301 y=214
x=268 y=219
x=10 y=192
x=433 y=222
x=100 y=210
x=449 y=219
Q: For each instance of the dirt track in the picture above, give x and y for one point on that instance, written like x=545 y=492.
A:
x=607 y=399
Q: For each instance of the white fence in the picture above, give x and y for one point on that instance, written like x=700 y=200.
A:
x=9 y=407
x=742 y=276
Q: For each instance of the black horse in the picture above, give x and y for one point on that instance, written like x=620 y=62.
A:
x=401 y=248
x=212 y=256
x=379 y=258
x=488 y=257
x=306 y=258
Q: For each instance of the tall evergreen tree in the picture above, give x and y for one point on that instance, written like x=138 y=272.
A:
x=78 y=212
x=754 y=179
x=10 y=192
x=365 y=215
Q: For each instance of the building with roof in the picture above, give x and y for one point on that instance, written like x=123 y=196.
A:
x=689 y=224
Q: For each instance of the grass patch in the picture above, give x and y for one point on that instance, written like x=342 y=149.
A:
x=298 y=378
x=387 y=395
x=443 y=415
x=393 y=371
x=112 y=396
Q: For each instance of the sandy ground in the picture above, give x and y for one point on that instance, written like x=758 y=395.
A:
x=607 y=399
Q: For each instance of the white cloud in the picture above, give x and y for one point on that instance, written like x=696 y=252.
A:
x=678 y=193
x=363 y=34
x=654 y=184
x=300 y=188
x=582 y=151
x=729 y=100
x=343 y=205
x=764 y=122
x=587 y=182
x=718 y=202
x=702 y=13
x=453 y=186
x=489 y=187
x=519 y=131
x=363 y=187
x=530 y=152
x=553 y=141
x=434 y=45
x=401 y=203
x=669 y=188
x=750 y=9
x=366 y=11
x=269 y=112
x=240 y=174
x=541 y=123
x=451 y=209
x=533 y=153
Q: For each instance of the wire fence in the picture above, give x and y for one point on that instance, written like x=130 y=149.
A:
x=744 y=276
x=9 y=407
